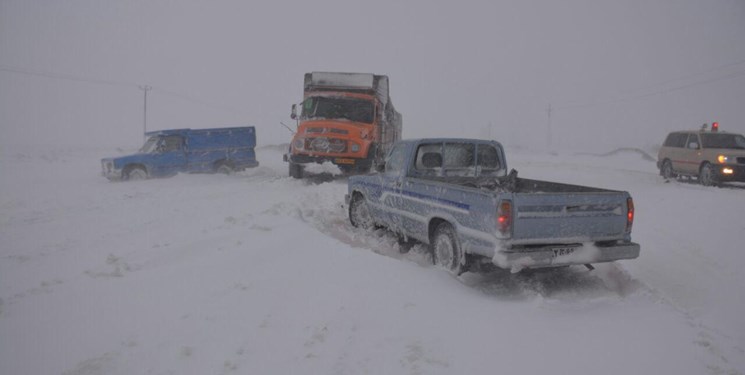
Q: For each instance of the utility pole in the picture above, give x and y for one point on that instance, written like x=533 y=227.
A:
x=548 y=137
x=145 y=89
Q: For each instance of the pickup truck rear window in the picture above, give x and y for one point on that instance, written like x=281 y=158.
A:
x=456 y=159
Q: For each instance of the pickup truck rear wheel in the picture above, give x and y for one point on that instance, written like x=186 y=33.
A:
x=359 y=213
x=446 y=252
x=224 y=168
x=136 y=173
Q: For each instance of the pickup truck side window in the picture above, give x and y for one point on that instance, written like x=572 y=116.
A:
x=428 y=161
x=171 y=143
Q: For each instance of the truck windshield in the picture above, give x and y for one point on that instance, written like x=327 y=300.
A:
x=720 y=140
x=149 y=145
x=357 y=110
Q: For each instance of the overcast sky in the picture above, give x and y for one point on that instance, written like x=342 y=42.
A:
x=616 y=73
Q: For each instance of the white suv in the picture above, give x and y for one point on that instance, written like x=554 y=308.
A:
x=709 y=155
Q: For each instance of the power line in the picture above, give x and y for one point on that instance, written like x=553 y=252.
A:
x=70 y=77
x=67 y=77
x=668 y=90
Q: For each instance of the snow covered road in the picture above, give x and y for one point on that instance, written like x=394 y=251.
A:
x=258 y=273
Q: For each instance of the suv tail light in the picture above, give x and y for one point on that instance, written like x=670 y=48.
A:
x=629 y=214
x=504 y=217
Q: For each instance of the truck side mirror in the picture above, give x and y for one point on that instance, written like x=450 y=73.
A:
x=380 y=167
x=693 y=146
x=293 y=114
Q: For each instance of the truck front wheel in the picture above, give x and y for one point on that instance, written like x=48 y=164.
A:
x=446 y=252
x=296 y=170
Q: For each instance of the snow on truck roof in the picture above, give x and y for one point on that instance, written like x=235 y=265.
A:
x=352 y=80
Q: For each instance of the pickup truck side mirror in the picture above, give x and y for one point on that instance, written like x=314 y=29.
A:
x=380 y=167
x=293 y=114
x=693 y=146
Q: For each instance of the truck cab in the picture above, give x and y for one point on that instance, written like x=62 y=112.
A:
x=347 y=119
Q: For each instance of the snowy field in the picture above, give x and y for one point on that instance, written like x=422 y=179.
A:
x=257 y=273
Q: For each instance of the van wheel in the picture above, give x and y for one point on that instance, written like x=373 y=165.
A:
x=667 y=170
x=446 y=252
x=706 y=175
x=359 y=213
x=136 y=173
x=296 y=170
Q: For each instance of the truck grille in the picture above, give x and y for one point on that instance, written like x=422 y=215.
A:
x=740 y=160
x=323 y=144
x=326 y=130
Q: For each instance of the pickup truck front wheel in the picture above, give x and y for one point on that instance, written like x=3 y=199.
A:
x=136 y=173
x=359 y=214
x=446 y=252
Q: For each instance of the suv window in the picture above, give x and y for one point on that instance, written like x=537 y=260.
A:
x=693 y=138
x=676 y=140
x=711 y=140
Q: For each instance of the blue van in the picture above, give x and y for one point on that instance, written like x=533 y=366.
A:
x=167 y=152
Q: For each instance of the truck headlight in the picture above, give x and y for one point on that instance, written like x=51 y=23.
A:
x=299 y=144
x=355 y=147
x=723 y=159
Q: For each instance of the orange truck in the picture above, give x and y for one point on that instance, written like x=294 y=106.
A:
x=347 y=119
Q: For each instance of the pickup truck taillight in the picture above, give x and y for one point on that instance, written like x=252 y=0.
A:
x=629 y=214
x=504 y=217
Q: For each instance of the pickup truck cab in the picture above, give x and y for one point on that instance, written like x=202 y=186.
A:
x=710 y=155
x=168 y=152
x=456 y=196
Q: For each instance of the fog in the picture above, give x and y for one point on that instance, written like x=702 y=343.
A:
x=615 y=73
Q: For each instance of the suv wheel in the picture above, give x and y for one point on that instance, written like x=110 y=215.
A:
x=706 y=175
x=667 y=170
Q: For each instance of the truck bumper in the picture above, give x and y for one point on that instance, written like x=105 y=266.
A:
x=564 y=255
x=730 y=173
x=341 y=160
x=108 y=171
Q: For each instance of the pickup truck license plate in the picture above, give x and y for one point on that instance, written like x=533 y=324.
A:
x=561 y=251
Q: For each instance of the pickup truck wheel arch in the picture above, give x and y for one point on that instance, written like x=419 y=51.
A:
x=135 y=172
x=359 y=213
x=224 y=167
x=445 y=248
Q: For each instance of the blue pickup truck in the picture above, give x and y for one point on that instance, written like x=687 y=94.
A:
x=457 y=196
x=168 y=152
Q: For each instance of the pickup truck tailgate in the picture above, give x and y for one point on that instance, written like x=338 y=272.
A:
x=541 y=218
